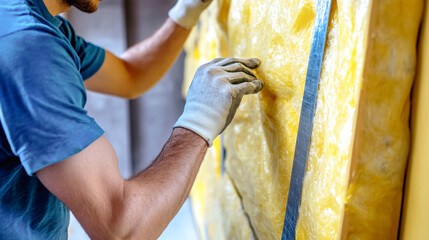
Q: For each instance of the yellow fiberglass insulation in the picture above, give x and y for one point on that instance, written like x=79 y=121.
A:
x=214 y=198
x=360 y=138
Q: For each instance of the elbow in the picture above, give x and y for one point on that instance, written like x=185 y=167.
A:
x=135 y=92
x=127 y=215
x=107 y=230
x=130 y=92
x=135 y=88
x=133 y=95
x=122 y=222
x=134 y=82
x=114 y=222
x=125 y=220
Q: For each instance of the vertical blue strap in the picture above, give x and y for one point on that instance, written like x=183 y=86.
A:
x=223 y=155
x=306 y=118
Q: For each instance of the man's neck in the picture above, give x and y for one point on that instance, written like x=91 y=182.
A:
x=56 y=7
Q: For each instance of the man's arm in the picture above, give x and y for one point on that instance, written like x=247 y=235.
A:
x=141 y=66
x=109 y=207
x=144 y=64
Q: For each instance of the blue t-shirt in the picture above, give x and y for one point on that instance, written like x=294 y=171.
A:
x=42 y=117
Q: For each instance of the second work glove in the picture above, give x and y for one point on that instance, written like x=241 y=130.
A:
x=186 y=12
x=215 y=94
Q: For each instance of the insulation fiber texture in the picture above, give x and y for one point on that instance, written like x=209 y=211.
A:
x=360 y=138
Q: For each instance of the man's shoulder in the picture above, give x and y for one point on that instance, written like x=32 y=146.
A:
x=35 y=50
x=19 y=16
x=29 y=40
x=15 y=16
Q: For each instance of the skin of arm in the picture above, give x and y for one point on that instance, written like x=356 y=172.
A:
x=110 y=207
x=142 y=65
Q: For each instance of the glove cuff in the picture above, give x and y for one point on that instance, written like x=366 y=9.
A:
x=202 y=120
x=185 y=16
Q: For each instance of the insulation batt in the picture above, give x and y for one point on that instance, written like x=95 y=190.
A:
x=360 y=140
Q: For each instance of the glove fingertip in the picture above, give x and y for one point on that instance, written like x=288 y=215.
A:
x=257 y=61
x=259 y=85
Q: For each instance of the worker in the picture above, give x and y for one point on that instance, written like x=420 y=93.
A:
x=54 y=157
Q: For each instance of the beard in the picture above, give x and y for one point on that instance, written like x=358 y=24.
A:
x=88 y=6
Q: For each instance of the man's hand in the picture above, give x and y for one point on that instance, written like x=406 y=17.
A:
x=186 y=12
x=215 y=94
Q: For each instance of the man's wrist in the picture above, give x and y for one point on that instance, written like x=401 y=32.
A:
x=179 y=15
x=202 y=120
x=186 y=12
x=185 y=135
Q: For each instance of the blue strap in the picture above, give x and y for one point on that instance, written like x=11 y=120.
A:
x=306 y=118
x=223 y=156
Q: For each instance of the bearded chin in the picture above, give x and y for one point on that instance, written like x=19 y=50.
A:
x=88 y=6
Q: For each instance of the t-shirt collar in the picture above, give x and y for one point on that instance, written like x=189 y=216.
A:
x=46 y=14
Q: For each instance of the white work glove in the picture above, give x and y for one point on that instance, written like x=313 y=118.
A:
x=215 y=94
x=186 y=12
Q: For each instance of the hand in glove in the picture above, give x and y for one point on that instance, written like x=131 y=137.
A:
x=186 y=12
x=215 y=94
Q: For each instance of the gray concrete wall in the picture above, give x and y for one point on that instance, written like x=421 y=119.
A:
x=153 y=114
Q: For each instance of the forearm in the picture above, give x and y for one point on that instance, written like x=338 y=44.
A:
x=153 y=197
x=150 y=59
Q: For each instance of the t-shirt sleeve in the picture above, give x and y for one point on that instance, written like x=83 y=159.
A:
x=42 y=98
x=91 y=56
